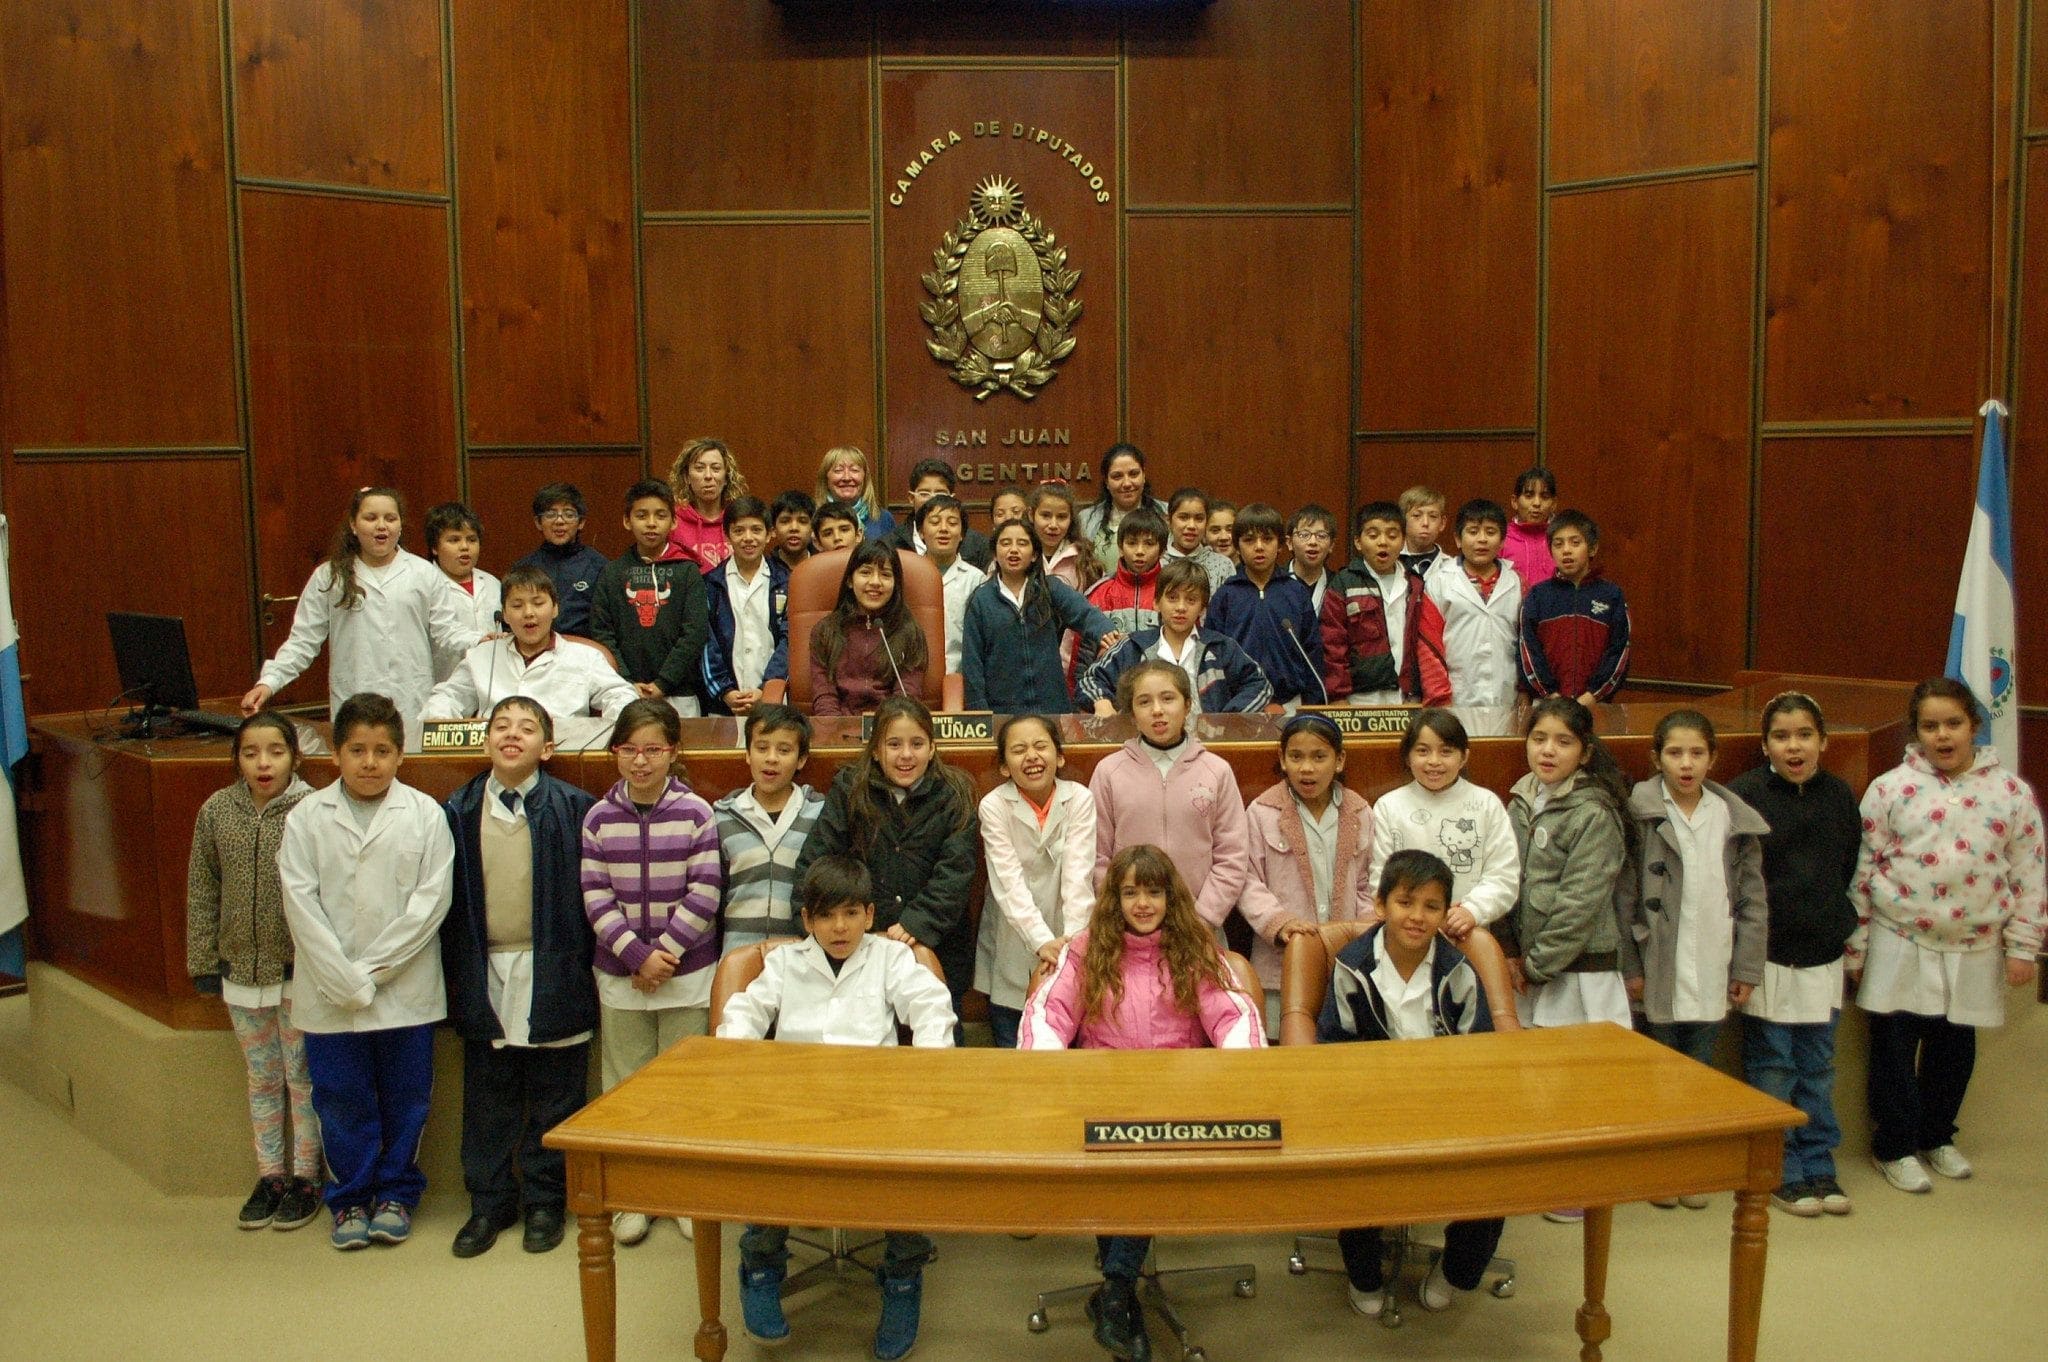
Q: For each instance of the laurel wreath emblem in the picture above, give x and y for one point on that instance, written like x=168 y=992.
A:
x=1054 y=338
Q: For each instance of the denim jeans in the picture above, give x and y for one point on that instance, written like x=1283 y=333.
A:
x=1003 y=1025
x=767 y=1246
x=1695 y=1040
x=1795 y=1063
x=1123 y=1255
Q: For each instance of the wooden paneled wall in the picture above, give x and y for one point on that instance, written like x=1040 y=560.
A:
x=1739 y=273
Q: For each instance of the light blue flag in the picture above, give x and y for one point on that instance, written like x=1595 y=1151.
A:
x=13 y=747
x=1982 y=649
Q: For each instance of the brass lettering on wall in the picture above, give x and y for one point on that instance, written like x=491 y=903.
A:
x=1001 y=309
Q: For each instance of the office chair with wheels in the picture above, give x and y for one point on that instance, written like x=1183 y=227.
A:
x=1304 y=983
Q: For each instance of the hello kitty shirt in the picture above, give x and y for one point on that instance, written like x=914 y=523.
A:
x=1467 y=828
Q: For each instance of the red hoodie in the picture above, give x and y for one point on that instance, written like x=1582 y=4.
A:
x=699 y=538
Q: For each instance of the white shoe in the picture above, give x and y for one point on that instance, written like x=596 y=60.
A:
x=1437 y=1293
x=683 y=1224
x=1905 y=1174
x=1367 y=1303
x=630 y=1227
x=1695 y=1202
x=1948 y=1161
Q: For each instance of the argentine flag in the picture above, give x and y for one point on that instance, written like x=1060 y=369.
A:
x=1981 y=641
x=13 y=747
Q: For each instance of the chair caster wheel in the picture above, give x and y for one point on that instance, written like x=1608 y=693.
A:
x=1296 y=1267
x=1504 y=1288
x=1194 y=1355
x=1247 y=1288
x=1390 y=1317
x=1038 y=1323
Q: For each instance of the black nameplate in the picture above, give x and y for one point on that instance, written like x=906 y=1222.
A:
x=967 y=729
x=1114 y=1136
x=1365 y=721
x=453 y=735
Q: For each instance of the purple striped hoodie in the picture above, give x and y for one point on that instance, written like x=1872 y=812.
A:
x=652 y=882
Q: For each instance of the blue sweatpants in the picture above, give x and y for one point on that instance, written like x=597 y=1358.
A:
x=371 y=1090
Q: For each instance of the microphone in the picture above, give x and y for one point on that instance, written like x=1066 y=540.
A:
x=1313 y=669
x=497 y=646
x=889 y=653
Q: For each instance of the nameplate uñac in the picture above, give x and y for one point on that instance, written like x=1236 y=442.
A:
x=1365 y=721
x=975 y=726
x=1122 y=1136
x=453 y=735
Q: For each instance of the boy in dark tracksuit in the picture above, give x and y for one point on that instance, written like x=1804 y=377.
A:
x=1271 y=617
x=574 y=565
x=1404 y=981
x=516 y=949
x=650 y=607
x=1575 y=625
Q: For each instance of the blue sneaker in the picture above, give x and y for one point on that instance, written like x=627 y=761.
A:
x=902 y=1299
x=351 y=1228
x=392 y=1224
x=761 y=1305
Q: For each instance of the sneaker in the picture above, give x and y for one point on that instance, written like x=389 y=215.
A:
x=1367 y=1303
x=261 y=1207
x=351 y=1228
x=1905 y=1174
x=1797 y=1198
x=902 y=1302
x=1833 y=1199
x=1571 y=1217
x=1948 y=1161
x=299 y=1206
x=392 y=1224
x=1664 y=1203
x=1437 y=1293
x=630 y=1227
x=761 y=1305
x=1120 y=1321
x=684 y=1223
x=1694 y=1202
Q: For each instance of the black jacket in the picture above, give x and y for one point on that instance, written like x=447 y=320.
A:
x=564 y=990
x=925 y=858
x=669 y=595
x=1809 y=860
x=1354 y=1009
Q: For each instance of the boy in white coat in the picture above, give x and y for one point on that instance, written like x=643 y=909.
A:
x=567 y=678
x=842 y=985
x=367 y=870
x=1479 y=594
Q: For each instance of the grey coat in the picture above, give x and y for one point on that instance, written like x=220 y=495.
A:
x=234 y=906
x=1573 y=854
x=1649 y=902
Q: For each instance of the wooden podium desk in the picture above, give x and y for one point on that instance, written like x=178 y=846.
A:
x=990 y=1140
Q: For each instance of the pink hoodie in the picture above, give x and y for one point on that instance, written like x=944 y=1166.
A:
x=1281 y=885
x=1528 y=548
x=700 y=538
x=1145 y=1017
x=1195 y=815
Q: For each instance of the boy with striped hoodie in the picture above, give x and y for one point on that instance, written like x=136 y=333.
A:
x=762 y=829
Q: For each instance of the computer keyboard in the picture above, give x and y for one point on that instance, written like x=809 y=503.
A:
x=224 y=724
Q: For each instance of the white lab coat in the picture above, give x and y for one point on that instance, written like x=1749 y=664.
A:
x=1041 y=883
x=1481 y=634
x=569 y=679
x=383 y=643
x=880 y=984
x=478 y=608
x=365 y=910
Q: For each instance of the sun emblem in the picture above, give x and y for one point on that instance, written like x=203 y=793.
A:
x=996 y=201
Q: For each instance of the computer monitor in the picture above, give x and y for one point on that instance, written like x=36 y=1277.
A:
x=153 y=660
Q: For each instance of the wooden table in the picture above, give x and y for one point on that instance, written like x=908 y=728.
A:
x=990 y=1140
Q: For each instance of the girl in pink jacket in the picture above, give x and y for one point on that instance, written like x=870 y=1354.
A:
x=1310 y=850
x=1167 y=790
x=1145 y=975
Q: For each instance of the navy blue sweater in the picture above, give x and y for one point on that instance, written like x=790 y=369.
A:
x=1278 y=628
x=718 y=676
x=1011 y=663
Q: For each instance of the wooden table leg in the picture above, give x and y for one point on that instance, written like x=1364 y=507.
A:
x=600 y=1287
x=1746 y=1274
x=1594 y=1326
x=710 y=1330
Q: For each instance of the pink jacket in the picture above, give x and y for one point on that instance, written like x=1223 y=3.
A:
x=1528 y=548
x=1195 y=815
x=1145 y=1017
x=700 y=538
x=1281 y=885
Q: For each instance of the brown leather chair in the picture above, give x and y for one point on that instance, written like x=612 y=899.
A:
x=1244 y=1277
x=814 y=592
x=839 y=1256
x=1305 y=968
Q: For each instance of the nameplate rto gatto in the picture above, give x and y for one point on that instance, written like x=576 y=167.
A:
x=1107 y=1137
x=1365 y=721
x=453 y=735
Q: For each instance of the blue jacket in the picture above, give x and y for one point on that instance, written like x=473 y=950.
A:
x=1278 y=628
x=718 y=677
x=1226 y=680
x=574 y=570
x=564 y=990
x=1011 y=664
x=1354 y=1009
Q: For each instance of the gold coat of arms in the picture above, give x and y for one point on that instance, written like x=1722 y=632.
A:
x=1002 y=309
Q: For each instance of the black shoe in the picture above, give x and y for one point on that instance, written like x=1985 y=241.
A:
x=543 y=1228
x=299 y=1206
x=478 y=1233
x=1120 y=1321
x=261 y=1207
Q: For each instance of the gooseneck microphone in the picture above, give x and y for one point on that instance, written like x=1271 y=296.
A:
x=1313 y=669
